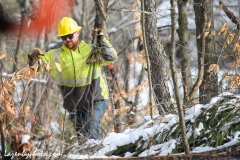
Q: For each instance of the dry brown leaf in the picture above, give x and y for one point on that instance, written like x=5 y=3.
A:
x=238 y=37
x=32 y=73
x=26 y=72
x=225 y=56
x=9 y=87
x=206 y=34
x=22 y=70
x=209 y=24
x=49 y=120
x=145 y=83
x=1 y=116
x=25 y=110
x=116 y=97
x=138 y=26
x=29 y=80
x=1 y=98
x=15 y=83
x=135 y=4
x=59 y=68
x=60 y=122
x=9 y=109
x=5 y=91
x=228 y=78
x=129 y=57
x=27 y=147
x=232 y=84
x=140 y=89
x=237 y=53
x=131 y=92
x=33 y=70
x=138 y=33
x=137 y=15
x=213 y=33
x=224 y=47
x=225 y=73
x=47 y=66
x=214 y=68
x=32 y=118
x=224 y=27
x=230 y=38
x=199 y=36
x=10 y=98
x=2 y=56
x=235 y=63
x=235 y=46
x=225 y=33
x=238 y=47
x=13 y=77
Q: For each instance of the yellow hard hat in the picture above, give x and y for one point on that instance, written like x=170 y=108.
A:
x=67 y=26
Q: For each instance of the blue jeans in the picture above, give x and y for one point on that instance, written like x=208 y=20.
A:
x=87 y=123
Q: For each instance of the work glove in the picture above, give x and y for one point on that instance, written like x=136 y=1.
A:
x=97 y=35
x=34 y=55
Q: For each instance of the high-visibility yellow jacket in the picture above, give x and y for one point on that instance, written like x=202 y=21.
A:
x=81 y=83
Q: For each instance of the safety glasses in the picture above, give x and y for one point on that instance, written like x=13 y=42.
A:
x=69 y=36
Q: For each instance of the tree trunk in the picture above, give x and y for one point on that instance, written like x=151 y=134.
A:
x=101 y=16
x=100 y=22
x=157 y=57
x=209 y=88
x=206 y=46
x=184 y=51
x=175 y=81
x=200 y=30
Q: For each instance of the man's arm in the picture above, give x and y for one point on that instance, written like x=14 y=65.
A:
x=108 y=52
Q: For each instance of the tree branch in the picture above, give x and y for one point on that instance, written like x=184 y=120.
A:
x=230 y=15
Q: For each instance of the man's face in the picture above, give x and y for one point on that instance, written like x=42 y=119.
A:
x=71 y=40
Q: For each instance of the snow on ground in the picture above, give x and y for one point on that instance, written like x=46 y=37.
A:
x=113 y=140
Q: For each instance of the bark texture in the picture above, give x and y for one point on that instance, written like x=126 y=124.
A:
x=206 y=49
x=157 y=57
x=184 y=47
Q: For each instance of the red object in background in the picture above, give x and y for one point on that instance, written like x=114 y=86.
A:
x=45 y=17
x=47 y=14
x=110 y=66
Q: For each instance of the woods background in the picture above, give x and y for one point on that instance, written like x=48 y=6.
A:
x=172 y=54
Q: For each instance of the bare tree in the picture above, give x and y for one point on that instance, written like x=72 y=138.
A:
x=101 y=13
x=184 y=48
x=157 y=57
x=100 y=22
x=175 y=82
x=206 y=49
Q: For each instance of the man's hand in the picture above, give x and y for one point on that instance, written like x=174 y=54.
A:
x=34 y=55
x=97 y=34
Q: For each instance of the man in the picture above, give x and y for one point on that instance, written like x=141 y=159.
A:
x=82 y=85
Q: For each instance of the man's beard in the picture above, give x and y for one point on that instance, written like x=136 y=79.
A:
x=71 y=45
